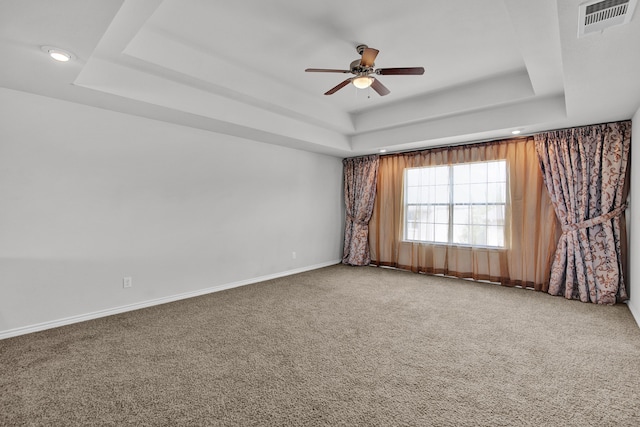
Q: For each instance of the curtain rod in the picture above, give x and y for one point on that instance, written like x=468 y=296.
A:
x=458 y=145
x=483 y=141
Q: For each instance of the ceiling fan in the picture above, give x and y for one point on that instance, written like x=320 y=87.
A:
x=363 y=70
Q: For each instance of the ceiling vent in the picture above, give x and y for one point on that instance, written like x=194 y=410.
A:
x=595 y=16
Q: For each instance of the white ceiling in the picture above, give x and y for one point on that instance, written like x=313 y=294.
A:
x=237 y=68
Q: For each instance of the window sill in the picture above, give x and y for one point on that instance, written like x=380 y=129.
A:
x=453 y=245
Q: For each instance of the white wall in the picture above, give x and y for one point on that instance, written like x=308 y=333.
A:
x=634 y=212
x=89 y=196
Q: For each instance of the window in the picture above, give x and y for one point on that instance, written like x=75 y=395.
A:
x=462 y=204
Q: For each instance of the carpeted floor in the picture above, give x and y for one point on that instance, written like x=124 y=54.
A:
x=336 y=346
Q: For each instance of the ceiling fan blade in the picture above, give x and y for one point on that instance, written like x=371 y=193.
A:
x=368 y=56
x=380 y=88
x=325 y=70
x=337 y=88
x=416 y=71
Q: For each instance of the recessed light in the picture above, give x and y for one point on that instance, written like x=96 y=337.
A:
x=516 y=132
x=58 y=54
x=383 y=151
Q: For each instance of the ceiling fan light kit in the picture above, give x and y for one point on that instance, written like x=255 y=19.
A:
x=362 y=82
x=363 y=68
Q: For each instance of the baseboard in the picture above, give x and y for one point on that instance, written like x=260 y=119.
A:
x=635 y=312
x=150 y=303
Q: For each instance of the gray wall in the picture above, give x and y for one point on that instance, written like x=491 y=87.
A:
x=90 y=196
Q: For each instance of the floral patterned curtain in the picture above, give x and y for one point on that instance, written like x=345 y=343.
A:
x=584 y=170
x=360 y=176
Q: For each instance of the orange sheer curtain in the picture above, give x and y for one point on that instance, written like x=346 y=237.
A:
x=532 y=229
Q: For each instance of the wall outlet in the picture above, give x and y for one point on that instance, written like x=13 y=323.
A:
x=293 y=255
x=127 y=282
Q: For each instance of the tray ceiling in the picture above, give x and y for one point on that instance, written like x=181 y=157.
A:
x=238 y=68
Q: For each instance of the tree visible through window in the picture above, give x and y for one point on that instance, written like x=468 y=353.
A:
x=462 y=204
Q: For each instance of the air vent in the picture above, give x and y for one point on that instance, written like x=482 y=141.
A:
x=595 y=16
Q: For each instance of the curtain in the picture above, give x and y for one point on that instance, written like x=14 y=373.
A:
x=359 y=194
x=585 y=172
x=531 y=224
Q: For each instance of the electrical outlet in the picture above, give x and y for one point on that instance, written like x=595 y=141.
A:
x=293 y=255
x=127 y=282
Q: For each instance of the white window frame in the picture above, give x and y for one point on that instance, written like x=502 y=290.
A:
x=451 y=204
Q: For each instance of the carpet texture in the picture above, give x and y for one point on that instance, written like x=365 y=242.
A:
x=350 y=346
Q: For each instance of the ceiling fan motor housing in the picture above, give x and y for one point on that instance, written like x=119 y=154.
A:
x=358 y=69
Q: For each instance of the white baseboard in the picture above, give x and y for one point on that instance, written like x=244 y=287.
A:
x=634 y=311
x=149 y=303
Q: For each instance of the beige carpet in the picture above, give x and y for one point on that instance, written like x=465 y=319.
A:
x=336 y=346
